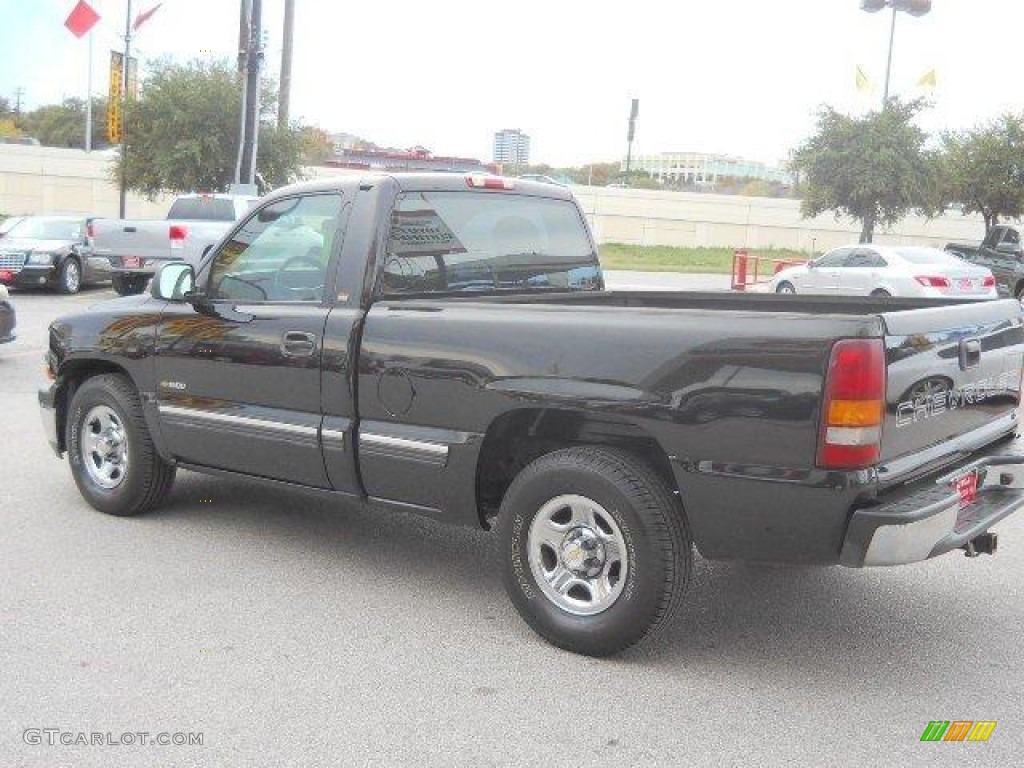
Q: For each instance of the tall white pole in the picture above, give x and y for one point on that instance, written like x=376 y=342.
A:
x=88 y=100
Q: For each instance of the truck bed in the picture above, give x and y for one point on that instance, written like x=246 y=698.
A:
x=719 y=300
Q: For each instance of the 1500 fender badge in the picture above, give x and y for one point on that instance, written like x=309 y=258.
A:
x=173 y=385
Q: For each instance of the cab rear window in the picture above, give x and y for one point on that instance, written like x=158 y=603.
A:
x=202 y=209
x=442 y=242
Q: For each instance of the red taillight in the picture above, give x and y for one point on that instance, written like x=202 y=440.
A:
x=988 y=282
x=90 y=231
x=489 y=182
x=178 y=234
x=931 y=281
x=854 y=405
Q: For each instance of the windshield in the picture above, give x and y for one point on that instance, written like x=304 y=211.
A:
x=929 y=256
x=471 y=241
x=48 y=228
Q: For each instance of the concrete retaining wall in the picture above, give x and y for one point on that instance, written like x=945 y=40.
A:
x=51 y=180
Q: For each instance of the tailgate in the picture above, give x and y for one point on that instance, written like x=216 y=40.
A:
x=115 y=239
x=953 y=383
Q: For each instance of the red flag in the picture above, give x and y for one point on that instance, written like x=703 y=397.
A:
x=142 y=18
x=81 y=19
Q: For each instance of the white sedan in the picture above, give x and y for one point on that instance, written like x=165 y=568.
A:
x=878 y=270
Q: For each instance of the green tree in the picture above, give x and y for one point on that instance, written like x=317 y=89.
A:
x=983 y=169
x=316 y=145
x=182 y=133
x=63 y=125
x=597 y=174
x=9 y=128
x=874 y=168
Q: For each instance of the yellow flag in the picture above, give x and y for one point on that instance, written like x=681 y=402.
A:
x=863 y=81
x=928 y=80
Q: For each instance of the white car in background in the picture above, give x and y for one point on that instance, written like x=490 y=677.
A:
x=881 y=270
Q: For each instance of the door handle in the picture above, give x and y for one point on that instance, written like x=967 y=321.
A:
x=970 y=354
x=298 y=344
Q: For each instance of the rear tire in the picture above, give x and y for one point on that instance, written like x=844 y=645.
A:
x=596 y=550
x=127 y=285
x=881 y=293
x=69 y=278
x=112 y=456
x=785 y=288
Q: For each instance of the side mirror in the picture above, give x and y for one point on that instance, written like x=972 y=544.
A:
x=173 y=281
x=812 y=264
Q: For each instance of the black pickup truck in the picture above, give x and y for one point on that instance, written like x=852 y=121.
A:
x=1001 y=252
x=443 y=345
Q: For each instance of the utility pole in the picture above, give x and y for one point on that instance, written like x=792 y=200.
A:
x=245 y=10
x=254 y=61
x=633 y=112
x=244 y=36
x=124 y=104
x=18 y=93
x=285 y=88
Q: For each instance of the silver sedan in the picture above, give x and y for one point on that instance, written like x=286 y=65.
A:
x=878 y=270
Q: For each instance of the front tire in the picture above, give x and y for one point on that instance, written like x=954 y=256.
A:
x=69 y=278
x=596 y=551
x=880 y=293
x=113 y=460
x=785 y=288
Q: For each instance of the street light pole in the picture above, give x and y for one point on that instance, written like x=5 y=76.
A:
x=123 y=192
x=913 y=7
x=888 y=63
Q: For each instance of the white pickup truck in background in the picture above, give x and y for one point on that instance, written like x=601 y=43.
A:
x=136 y=248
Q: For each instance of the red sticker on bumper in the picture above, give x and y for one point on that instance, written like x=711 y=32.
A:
x=967 y=488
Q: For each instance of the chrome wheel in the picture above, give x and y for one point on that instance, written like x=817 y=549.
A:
x=72 y=277
x=786 y=288
x=104 y=447
x=577 y=555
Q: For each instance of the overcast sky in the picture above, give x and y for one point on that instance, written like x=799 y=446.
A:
x=742 y=77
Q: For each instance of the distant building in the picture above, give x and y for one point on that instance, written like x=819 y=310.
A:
x=343 y=141
x=511 y=147
x=700 y=168
x=413 y=159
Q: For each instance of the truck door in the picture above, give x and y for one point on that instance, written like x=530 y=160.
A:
x=238 y=384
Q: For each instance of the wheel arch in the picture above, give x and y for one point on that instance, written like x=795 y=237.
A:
x=72 y=374
x=520 y=436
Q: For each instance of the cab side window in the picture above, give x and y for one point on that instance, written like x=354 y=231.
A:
x=279 y=254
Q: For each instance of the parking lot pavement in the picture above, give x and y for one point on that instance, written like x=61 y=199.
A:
x=291 y=631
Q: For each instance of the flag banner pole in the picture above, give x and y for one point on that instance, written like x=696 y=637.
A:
x=88 y=99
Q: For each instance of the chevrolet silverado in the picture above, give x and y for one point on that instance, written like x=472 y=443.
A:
x=443 y=345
